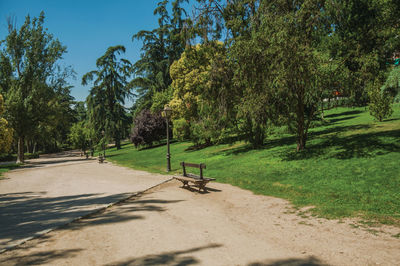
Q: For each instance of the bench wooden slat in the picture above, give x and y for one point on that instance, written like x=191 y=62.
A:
x=200 y=166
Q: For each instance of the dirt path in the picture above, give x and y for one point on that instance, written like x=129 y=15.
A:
x=169 y=225
x=56 y=189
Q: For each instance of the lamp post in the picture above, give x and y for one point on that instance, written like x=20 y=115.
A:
x=104 y=144
x=167 y=114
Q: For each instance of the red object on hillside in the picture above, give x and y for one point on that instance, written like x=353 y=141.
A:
x=337 y=93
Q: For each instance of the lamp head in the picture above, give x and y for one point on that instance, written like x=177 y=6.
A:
x=167 y=111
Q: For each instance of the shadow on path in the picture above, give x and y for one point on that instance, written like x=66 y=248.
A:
x=310 y=261
x=23 y=215
x=125 y=211
x=40 y=257
x=181 y=257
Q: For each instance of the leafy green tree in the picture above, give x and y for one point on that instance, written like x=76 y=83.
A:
x=28 y=60
x=251 y=60
x=161 y=47
x=202 y=92
x=392 y=84
x=80 y=136
x=6 y=136
x=107 y=96
x=363 y=34
x=380 y=102
x=80 y=111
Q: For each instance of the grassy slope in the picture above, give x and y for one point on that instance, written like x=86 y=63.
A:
x=351 y=166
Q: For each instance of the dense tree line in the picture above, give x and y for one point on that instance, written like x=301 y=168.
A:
x=38 y=104
x=245 y=66
x=230 y=70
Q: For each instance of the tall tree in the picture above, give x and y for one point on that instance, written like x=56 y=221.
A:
x=364 y=35
x=161 y=47
x=202 y=92
x=6 y=135
x=28 y=59
x=107 y=97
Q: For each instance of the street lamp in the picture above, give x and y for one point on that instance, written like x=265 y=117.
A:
x=104 y=143
x=167 y=114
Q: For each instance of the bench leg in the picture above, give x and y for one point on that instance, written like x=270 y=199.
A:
x=202 y=186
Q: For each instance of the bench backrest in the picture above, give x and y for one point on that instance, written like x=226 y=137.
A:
x=194 y=165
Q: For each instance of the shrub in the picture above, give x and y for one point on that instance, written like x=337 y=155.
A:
x=380 y=103
x=181 y=129
x=148 y=128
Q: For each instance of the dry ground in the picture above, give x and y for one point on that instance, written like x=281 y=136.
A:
x=56 y=189
x=169 y=225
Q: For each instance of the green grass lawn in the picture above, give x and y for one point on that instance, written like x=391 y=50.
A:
x=351 y=166
x=7 y=167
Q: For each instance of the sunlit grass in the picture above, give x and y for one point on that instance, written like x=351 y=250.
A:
x=350 y=168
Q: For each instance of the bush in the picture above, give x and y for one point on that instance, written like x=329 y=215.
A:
x=148 y=128
x=380 y=105
x=181 y=129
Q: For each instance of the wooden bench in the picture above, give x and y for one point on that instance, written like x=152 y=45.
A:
x=197 y=180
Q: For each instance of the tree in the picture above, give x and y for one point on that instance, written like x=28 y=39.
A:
x=107 y=96
x=392 y=84
x=161 y=47
x=148 y=128
x=202 y=95
x=363 y=34
x=28 y=60
x=379 y=102
x=251 y=58
x=6 y=136
x=80 y=136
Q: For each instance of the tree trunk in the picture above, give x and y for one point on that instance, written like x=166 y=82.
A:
x=34 y=147
x=20 y=153
x=30 y=146
x=118 y=143
x=300 y=125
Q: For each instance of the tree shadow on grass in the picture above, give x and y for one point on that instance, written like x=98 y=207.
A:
x=335 y=120
x=310 y=261
x=365 y=145
x=38 y=258
x=353 y=112
x=181 y=257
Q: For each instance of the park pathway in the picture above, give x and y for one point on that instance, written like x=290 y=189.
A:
x=57 y=189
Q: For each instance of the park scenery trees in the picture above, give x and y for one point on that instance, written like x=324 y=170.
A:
x=290 y=81
x=107 y=97
x=33 y=85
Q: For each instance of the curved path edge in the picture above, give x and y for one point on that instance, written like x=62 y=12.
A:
x=84 y=216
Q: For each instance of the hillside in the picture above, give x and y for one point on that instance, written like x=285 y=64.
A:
x=350 y=168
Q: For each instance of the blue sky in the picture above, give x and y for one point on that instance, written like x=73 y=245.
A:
x=87 y=28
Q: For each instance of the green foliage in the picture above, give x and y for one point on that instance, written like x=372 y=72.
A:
x=363 y=35
x=392 y=84
x=161 y=47
x=6 y=133
x=160 y=99
x=181 y=129
x=350 y=168
x=80 y=136
x=203 y=96
x=107 y=96
x=33 y=84
x=380 y=105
